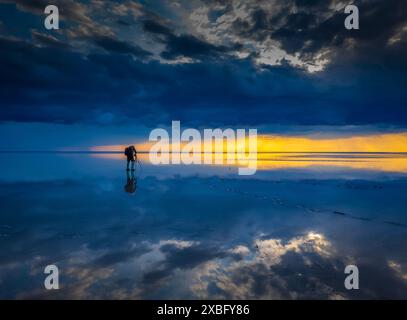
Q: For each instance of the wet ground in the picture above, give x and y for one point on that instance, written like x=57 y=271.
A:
x=183 y=232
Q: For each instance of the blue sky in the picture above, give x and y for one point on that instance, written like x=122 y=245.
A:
x=117 y=69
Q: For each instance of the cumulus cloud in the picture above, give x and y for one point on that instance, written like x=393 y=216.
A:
x=307 y=34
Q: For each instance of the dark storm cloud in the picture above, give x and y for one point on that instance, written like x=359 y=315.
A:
x=50 y=84
x=379 y=21
x=89 y=69
x=112 y=258
x=157 y=28
x=183 y=45
x=190 y=46
x=73 y=88
x=114 y=45
x=305 y=27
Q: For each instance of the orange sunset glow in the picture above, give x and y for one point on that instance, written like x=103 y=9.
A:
x=394 y=142
x=278 y=152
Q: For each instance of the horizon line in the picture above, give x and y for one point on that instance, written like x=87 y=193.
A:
x=202 y=152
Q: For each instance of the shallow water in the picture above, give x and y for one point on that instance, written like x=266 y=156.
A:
x=203 y=232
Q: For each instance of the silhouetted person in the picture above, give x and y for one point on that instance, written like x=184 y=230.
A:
x=131 y=155
x=131 y=184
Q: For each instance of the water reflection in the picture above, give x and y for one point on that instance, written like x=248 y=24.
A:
x=381 y=162
x=131 y=182
x=199 y=234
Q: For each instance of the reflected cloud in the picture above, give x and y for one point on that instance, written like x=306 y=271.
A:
x=192 y=236
x=271 y=250
x=303 y=267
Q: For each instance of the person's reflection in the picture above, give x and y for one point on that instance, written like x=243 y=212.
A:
x=131 y=184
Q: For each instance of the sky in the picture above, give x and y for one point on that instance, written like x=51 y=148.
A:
x=115 y=70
